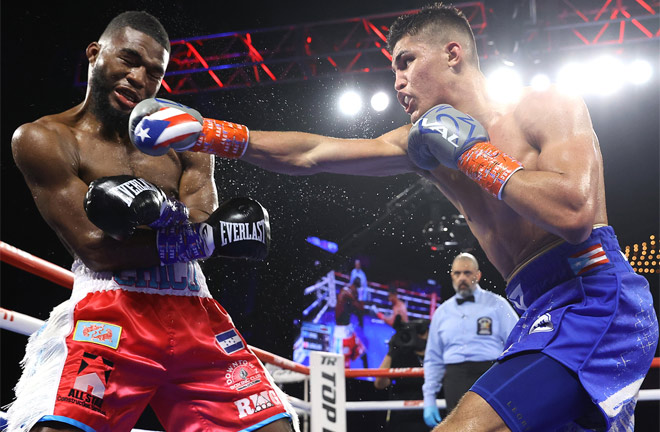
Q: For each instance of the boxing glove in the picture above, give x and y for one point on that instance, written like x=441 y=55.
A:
x=446 y=136
x=239 y=228
x=119 y=204
x=157 y=125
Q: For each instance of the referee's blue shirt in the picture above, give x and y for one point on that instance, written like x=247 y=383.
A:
x=469 y=332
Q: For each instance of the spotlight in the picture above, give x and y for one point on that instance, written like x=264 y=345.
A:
x=505 y=84
x=605 y=75
x=572 y=78
x=639 y=72
x=540 y=82
x=380 y=101
x=350 y=103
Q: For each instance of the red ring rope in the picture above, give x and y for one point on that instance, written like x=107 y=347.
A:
x=32 y=264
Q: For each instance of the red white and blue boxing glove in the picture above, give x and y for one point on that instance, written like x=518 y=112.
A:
x=239 y=228
x=449 y=137
x=119 y=204
x=158 y=125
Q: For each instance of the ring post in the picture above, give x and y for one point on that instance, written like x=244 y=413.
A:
x=328 y=390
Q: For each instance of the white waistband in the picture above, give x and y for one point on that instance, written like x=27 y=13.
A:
x=181 y=279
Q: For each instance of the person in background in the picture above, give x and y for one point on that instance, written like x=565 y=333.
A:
x=468 y=333
x=358 y=273
x=399 y=308
x=346 y=340
x=406 y=349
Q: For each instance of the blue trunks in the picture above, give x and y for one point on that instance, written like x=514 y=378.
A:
x=583 y=306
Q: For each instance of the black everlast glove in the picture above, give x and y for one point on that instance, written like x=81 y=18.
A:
x=119 y=204
x=239 y=228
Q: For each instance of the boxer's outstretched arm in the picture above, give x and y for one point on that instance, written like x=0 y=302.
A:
x=301 y=153
x=158 y=125
x=561 y=193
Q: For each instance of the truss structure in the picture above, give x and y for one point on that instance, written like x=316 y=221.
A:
x=358 y=45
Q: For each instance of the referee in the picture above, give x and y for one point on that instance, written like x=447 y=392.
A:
x=467 y=334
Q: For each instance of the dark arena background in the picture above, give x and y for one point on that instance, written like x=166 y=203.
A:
x=284 y=66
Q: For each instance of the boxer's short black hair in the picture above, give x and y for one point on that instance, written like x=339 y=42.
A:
x=140 y=21
x=438 y=18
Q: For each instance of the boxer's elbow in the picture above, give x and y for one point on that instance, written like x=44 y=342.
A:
x=100 y=252
x=302 y=164
x=576 y=223
x=95 y=252
x=576 y=234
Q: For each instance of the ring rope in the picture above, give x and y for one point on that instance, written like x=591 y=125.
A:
x=288 y=370
x=49 y=271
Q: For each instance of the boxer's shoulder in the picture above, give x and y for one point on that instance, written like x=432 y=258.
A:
x=553 y=105
x=63 y=129
x=42 y=140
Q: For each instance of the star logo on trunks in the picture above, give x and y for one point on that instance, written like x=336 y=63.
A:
x=241 y=375
x=91 y=382
x=485 y=326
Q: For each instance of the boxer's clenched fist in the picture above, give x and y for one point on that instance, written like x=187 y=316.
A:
x=158 y=125
x=446 y=136
x=239 y=228
x=119 y=204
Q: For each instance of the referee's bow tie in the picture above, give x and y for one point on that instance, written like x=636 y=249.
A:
x=461 y=300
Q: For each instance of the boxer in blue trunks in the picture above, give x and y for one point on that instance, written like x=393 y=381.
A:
x=567 y=296
x=528 y=177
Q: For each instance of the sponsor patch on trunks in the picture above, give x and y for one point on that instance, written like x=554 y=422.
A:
x=91 y=383
x=257 y=402
x=97 y=332
x=241 y=375
x=230 y=341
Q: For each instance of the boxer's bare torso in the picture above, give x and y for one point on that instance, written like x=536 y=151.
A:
x=558 y=196
x=507 y=237
x=60 y=154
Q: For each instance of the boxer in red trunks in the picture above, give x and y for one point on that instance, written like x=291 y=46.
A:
x=141 y=326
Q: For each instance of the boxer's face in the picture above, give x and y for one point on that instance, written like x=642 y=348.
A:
x=464 y=277
x=128 y=68
x=420 y=69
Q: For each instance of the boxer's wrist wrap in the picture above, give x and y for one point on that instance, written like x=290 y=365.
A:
x=183 y=243
x=222 y=138
x=490 y=167
x=172 y=212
